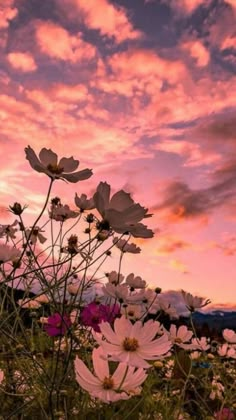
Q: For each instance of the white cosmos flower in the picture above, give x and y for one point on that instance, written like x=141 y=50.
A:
x=135 y=282
x=48 y=163
x=194 y=302
x=229 y=336
x=132 y=312
x=120 y=212
x=8 y=253
x=121 y=385
x=133 y=344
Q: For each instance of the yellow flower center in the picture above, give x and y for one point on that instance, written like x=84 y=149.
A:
x=55 y=169
x=178 y=340
x=130 y=344
x=108 y=382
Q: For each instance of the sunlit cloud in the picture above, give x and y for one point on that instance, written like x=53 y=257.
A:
x=22 y=61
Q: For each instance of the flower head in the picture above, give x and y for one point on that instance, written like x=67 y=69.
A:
x=60 y=212
x=133 y=344
x=124 y=246
x=120 y=213
x=48 y=163
x=121 y=385
x=229 y=335
x=8 y=231
x=224 y=414
x=83 y=203
x=94 y=313
x=194 y=302
x=8 y=254
x=135 y=282
x=57 y=324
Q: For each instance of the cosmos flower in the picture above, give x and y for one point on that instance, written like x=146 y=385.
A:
x=132 y=312
x=194 y=302
x=229 y=335
x=133 y=344
x=181 y=336
x=57 y=324
x=121 y=385
x=124 y=246
x=114 y=277
x=119 y=291
x=135 y=282
x=8 y=230
x=224 y=414
x=94 y=313
x=83 y=203
x=8 y=253
x=217 y=389
x=61 y=213
x=120 y=213
x=225 y=350
x=48 y=164
x=35 y=235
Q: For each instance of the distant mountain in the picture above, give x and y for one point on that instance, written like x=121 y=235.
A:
x=217 y=320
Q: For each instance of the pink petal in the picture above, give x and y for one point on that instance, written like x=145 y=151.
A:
x=100 y=365
x=47 y=157
x=68 y=164
x=78 y=176
x=122 y=327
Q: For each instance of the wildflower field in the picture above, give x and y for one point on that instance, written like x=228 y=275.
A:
x=90 y=348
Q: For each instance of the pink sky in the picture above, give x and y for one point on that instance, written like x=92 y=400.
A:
x=143 y=92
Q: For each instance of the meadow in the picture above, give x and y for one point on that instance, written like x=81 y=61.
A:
x=76 y=346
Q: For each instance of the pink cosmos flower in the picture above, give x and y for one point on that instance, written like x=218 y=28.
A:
x=48 y=163
x=120 y=212
x=57 y=324
x=94 y=313
x=121 y=385
x=132 y=344
x=225 y=414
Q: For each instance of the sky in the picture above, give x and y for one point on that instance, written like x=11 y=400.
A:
x=144 y=93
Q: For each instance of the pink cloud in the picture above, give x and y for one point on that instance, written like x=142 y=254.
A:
x=197 y=51
x=7 y=13
x=228 y=42
x=22 y=61
x=193 y=153
x=56 y=42
x=178 y=265
x=112 y=21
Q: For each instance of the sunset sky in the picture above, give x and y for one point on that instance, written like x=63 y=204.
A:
x=144 y=93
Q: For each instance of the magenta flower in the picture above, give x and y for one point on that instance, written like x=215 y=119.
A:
x=94 y=313
x=57 y=324
x=225 y=414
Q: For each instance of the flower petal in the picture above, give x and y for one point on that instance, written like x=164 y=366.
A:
x=100 y=365
x=122 y=327
x=33 y=160
x=68 y=164
x=47 y=157
x=78 y=176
